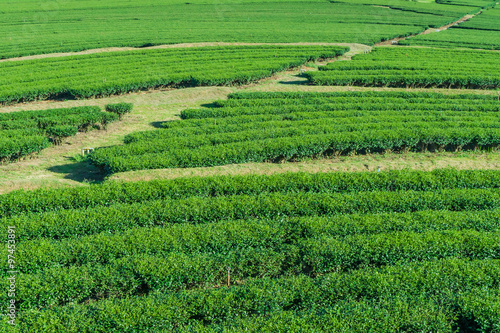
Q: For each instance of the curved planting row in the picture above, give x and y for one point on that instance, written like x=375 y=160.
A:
x=260 y=127
x=480 y=32
x=111 y=193
x=110 y=73
x=414 y=68
x=26 y=132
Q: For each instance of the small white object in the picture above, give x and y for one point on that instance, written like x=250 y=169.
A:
x=87 y=150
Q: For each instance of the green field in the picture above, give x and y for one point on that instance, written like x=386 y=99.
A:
x=278 y=166
x=109 y=73
x=28 y=132
x=414 y=68
x=29 y=27
x=259 y=127
x=365 y=244
x=480 y=32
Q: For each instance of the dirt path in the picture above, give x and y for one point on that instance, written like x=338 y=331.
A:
x=428 y=31
x=170 y=46
x=56 y=167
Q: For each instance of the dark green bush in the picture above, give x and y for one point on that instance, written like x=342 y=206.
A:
x=119 y=108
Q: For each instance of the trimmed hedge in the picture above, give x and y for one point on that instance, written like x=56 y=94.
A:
x=357 y=293
x=25 y=132
x=414 y=68
x=277 y=127
x=107 y=194
x=120 y=108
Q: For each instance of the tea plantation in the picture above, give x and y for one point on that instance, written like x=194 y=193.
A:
x=481 y=32
x=278 y=166
x=257 y=127
x=27 y=132
x=323 y=251
x=104 y=74
x=414 y=68
x=69 y=25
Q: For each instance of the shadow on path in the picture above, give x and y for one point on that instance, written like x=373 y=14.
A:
x=79 y=171
x=209 y=105
x=295 y=82
x=296 y=79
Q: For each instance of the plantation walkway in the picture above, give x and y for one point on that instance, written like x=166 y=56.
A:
x=428 y=31
x=353 y=46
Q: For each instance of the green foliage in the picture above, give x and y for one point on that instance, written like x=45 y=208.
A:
x=481 y=308
x=478 y=3
x=111 y=193
x=120 y=108
x=276 y=127
x=110 y=73
x=329 y=251
x=14 y=147
x=72 y=25
x=59 y=132
x=26 y=132
x=480 y=32
x=414 y=68
x=185 y=256
x=201 y=211
x=360 y=299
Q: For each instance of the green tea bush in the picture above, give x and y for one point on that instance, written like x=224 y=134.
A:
x=120 y=108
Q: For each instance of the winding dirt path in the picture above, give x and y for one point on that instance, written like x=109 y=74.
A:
x=428 y=31
x=170 y=46
x=355 y=46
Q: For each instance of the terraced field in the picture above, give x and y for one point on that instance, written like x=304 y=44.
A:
x=31 y=28
x=340 y=250
x=225 y=238
x=480 y=32
x=414 y=68
x=28 y=132
x=261 y=127
x=104 y=74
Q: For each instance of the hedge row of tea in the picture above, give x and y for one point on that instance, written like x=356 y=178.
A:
x=25 y=132
x=341 y=252
x=480 y=32
x=72 y=25
x=414 y=68
x=457 y=6
x=110 y=193
x=259 y=127
x=108 y=73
